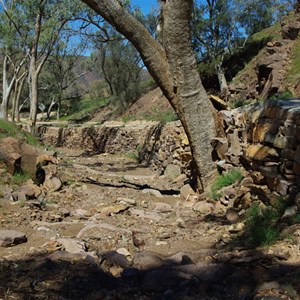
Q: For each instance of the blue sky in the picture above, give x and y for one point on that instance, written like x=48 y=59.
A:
x=145 y=5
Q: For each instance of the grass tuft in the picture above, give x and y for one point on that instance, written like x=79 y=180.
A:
x=10 y=129
x=224 y=180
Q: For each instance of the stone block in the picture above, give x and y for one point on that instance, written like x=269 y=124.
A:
x=280 y=141
x=260 y=131
x=296 y=168
x=288 y=154
x=260 y=152
x=235 y=147
x=269 y=171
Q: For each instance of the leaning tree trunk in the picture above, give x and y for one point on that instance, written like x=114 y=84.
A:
x=173 y=67
x=190 y=102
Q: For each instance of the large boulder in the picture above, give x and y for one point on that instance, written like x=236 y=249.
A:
x=18 y=156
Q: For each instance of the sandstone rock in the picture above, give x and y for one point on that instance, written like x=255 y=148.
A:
x=234 y=228
x=172 y=171
x=203 y=207
x=148 y=260
x=29 y=156
x=10 y=153
x=235 y=147
x=145 y=214
x=260 y=131
x=10 y=238
x=290 y=31
x=98 y=231
x=232 y=215
x=72 y=245
x=218 y=103
x=81 y=213
x=187 y=193
x=31 y=190
x=127 y=201
x=52 y=183
x=72 y=257
x=124 y=252
x=162 y=207
x=268 y=286
x=220 y=145
x=260 y=152
x=18 y=196
x=114 y=209
x=269 y=171
x=290 y=212
x=153 y=192
x=64 y=212
x=115 y=258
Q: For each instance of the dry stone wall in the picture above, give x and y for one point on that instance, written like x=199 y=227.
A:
x=264 y=139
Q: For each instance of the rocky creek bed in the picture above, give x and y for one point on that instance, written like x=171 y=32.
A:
x=116 y=230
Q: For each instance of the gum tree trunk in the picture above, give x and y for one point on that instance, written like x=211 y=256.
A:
x=173 y=66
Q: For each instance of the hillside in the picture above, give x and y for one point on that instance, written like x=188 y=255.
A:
x=267 y=67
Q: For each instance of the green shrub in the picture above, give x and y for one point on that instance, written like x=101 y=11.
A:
x=261 y=226
x=224 y=180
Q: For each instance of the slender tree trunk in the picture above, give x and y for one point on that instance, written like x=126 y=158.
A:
x=6 y=89
x=18 y=97
x=33 y=87
x=222 y=80
x=173 y=67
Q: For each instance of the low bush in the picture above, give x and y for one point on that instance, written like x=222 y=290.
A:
x=261 y=226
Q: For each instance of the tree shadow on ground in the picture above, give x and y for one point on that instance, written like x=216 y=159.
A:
x=43 y=277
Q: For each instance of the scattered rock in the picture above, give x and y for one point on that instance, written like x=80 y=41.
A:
x=114 y=209
x=290 y=212
x=81 y=213
x=153 y=192
x=71 y=257
x=148 y=260
x=188 y=194
x=172 y=171
x=72 y=246
x=203 y=207
x=9 y=238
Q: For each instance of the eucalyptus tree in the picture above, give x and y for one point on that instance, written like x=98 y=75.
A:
x=66 y=64
x=120 y=65
x=222 y=27
x=173 y=66
x=39 y=24
x=13 y=54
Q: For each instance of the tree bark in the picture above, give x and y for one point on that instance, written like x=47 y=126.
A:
x=6 y=89
x=222 y=80
x=173 y=67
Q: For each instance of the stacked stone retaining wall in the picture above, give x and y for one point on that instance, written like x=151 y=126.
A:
x=264 y=139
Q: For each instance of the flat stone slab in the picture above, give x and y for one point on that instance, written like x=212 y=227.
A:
x=9 y=238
